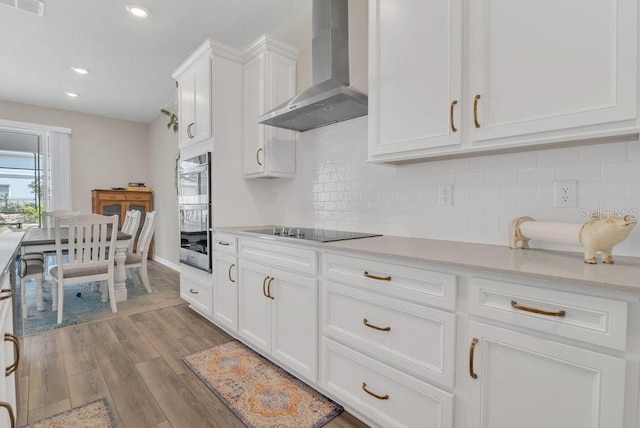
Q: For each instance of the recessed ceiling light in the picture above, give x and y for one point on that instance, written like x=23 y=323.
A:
x=80 y=70
x=71 y=94
x=137 y=10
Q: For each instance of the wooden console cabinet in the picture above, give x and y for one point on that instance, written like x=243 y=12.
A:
x=111 y=202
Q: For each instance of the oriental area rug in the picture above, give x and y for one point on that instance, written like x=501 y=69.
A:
x=260 y=393
x=96 y=414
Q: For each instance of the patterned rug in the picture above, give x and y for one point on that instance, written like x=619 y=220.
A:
x=260 y=393
x=96 y=414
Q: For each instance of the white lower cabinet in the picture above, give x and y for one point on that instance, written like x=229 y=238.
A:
x=385 y=395
x=278 y=315
x=195 y=288
x=225 y=291
x=528 y=382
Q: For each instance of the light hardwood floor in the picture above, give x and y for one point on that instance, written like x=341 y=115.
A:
x=132 y=360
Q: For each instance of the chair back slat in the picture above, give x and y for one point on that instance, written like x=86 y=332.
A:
x=130 y=226
x=146 y=235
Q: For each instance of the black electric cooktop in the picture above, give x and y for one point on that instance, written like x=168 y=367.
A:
x=317 y=235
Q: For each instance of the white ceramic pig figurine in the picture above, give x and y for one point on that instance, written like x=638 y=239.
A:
x=597 y=234
x=602 y=234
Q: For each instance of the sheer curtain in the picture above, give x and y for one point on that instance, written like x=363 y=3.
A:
x=58 y=171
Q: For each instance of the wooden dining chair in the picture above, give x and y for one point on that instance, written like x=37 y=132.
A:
x=130 y=227
x=139 y=258
x=90 y=257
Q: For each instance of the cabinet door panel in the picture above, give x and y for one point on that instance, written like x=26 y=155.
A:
x=518 y=375
x=295 y=321
x=541 y=66
x=254 y=322
x=186 y=103
x=202 y=102
x=225 y=291
x=254 y=106
x=415 y=74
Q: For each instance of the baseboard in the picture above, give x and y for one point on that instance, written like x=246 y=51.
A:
x=166 y=263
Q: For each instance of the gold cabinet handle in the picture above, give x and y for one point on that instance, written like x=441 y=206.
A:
x=231 y=267
x=226 y=244
x=453 y=126
x=475 y=111
x=8 y=337
x=365 y=322
x=269 y=289
x=12 y=417
x=472 y=348
x=258 y=156
x=379 y=278
x=264 y=284
x=192 y=291
x=379 y=397
x=189 y=134
x=515 y=305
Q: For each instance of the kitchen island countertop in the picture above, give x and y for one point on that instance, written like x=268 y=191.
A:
x=547 y=265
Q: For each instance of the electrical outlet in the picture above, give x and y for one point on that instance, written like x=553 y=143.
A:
x=445 y=195
x=566 y=194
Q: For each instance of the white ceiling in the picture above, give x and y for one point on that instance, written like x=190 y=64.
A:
x=130 y=60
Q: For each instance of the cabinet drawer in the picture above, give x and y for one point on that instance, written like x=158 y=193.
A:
x=589 y=319
x=346 y=373
x=197 y=293
x=225 y=243
x=142 y=196
x=293 y=258
x=415 y=338
x=410 y=283
x=111 y=196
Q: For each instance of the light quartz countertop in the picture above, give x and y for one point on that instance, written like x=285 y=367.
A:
x=9 y=243
x=547 y=265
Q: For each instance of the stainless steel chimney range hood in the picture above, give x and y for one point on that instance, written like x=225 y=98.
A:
x=330 y=99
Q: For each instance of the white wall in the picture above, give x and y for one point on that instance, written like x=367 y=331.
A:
x=105 y=152
x=163 y=151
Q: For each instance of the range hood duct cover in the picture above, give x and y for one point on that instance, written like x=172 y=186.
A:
x=330 y=99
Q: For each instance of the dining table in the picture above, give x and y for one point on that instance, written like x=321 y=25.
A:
x=43 y=240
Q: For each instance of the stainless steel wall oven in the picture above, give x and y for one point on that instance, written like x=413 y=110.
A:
x=194 y=203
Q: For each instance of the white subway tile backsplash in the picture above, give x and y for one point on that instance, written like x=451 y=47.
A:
x=600 y=153
x=335 y=188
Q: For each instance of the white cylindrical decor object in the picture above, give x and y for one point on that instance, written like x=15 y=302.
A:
x=560 y=233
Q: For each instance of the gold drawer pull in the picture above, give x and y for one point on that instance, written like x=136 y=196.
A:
x=231 y=267
x=258 y=157
x=269 y=289
x=12 y=417
x=453 y=126
x=192 y=291
x=380 y=278
x=365 y=322
x=226 y=244
x=8 y=337
x=515 y=305
x=475 y=111
x=471 y=350
x=379 y=397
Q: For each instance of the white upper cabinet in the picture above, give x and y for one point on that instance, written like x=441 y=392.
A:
x=544 y=69
x=414 y=76
x=269 y=80
x=535 y=73
x=194 y=101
